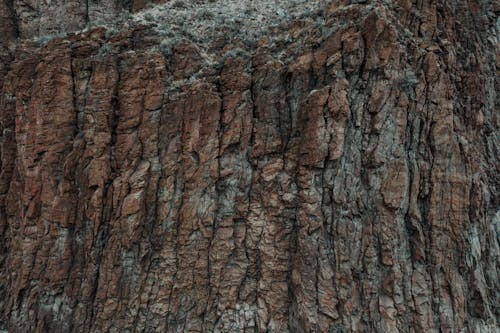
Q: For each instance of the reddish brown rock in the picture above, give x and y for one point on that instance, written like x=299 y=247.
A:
x=343 y=180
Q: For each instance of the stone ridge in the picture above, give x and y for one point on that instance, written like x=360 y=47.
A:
x=339 y=174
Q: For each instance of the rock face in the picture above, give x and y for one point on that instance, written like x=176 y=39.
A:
x=32 y=18
x=334 y=177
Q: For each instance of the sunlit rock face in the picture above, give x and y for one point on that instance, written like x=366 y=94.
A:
x=220 y=166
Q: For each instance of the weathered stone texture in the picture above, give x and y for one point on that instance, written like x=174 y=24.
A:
x=36 y=18
x=341 y=180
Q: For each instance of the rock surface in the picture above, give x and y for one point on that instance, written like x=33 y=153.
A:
x=35 y=18
x=338 y=176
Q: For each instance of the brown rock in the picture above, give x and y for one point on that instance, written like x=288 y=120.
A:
x=343 y=180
